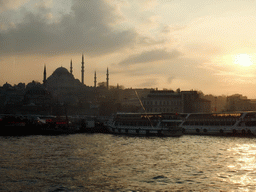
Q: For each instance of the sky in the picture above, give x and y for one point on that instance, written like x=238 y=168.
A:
x=209 y=46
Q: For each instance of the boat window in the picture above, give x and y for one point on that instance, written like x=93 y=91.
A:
x=185 y=123
x=229 y=123
x=222 y=123
x=250 y=123
x=250 y=115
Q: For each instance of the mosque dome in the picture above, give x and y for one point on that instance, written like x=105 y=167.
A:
x=62 y=80
x=7 y=86
x=34 y=85
x=61 y=74
x=61 y=71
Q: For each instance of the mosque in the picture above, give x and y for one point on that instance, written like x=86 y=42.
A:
x=63 y=85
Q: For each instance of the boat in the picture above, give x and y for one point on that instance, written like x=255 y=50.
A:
x=18 y=125
x=142 y=124
x=13 y=124
x=57 y=125
x=88 y=124
x=234 y=124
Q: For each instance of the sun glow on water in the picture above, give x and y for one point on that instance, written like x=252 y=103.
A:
x=243 y=164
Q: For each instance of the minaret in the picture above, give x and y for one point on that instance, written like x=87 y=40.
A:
x=82 y=69
x=71 y=68
x=95 y=80
x=107 y=79
x=44 y=81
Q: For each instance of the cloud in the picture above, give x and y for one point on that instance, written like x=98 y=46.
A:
x=170 y=79
x=13 y=4
x=44 y=4
x=89 y=28
x=203 y=49
x=148 y=4
x=149 y=83
x=222 y=33
x=168 y=29
x=150 y=56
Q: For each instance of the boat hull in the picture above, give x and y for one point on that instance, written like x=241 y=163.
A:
x=132 y=131
x=219 y=130
x=35 y=130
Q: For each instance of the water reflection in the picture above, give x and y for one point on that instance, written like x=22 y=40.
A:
x=100 y=162
x=243 y=165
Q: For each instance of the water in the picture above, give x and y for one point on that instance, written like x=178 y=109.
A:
x=98 y=162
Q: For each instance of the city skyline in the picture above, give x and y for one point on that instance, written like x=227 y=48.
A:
x=205 y=46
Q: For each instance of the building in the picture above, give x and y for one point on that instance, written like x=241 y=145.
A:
x=62 y=83
x=71 y=92
x=36 y=94
x=59 y=89
x=238 y=102
x=132 y=97
x=168 y=101
x=37 y=99
x=11 y=97
x=202 y=105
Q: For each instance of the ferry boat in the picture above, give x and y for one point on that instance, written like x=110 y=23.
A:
x=141 y=124
x=240 y=123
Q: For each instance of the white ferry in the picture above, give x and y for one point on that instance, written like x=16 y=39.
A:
x=144 y=125
x=241 y=123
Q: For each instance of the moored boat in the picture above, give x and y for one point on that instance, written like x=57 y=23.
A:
x=58 y=125
x=234 y=124
x=18 y=125
x=141 y=124
x=14 y=125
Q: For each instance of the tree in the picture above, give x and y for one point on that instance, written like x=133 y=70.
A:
x=102 y=84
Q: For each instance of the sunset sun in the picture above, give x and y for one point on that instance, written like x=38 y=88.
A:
x=244 y=60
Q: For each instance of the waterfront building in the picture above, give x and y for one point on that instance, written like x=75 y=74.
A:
x=132 y=97
x=202 y=105
x=168 y=101
x=238 y=102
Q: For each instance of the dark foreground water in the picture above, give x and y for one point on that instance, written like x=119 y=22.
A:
x=98 y=162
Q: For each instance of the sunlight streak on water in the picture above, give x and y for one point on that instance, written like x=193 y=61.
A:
x=244 y=164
